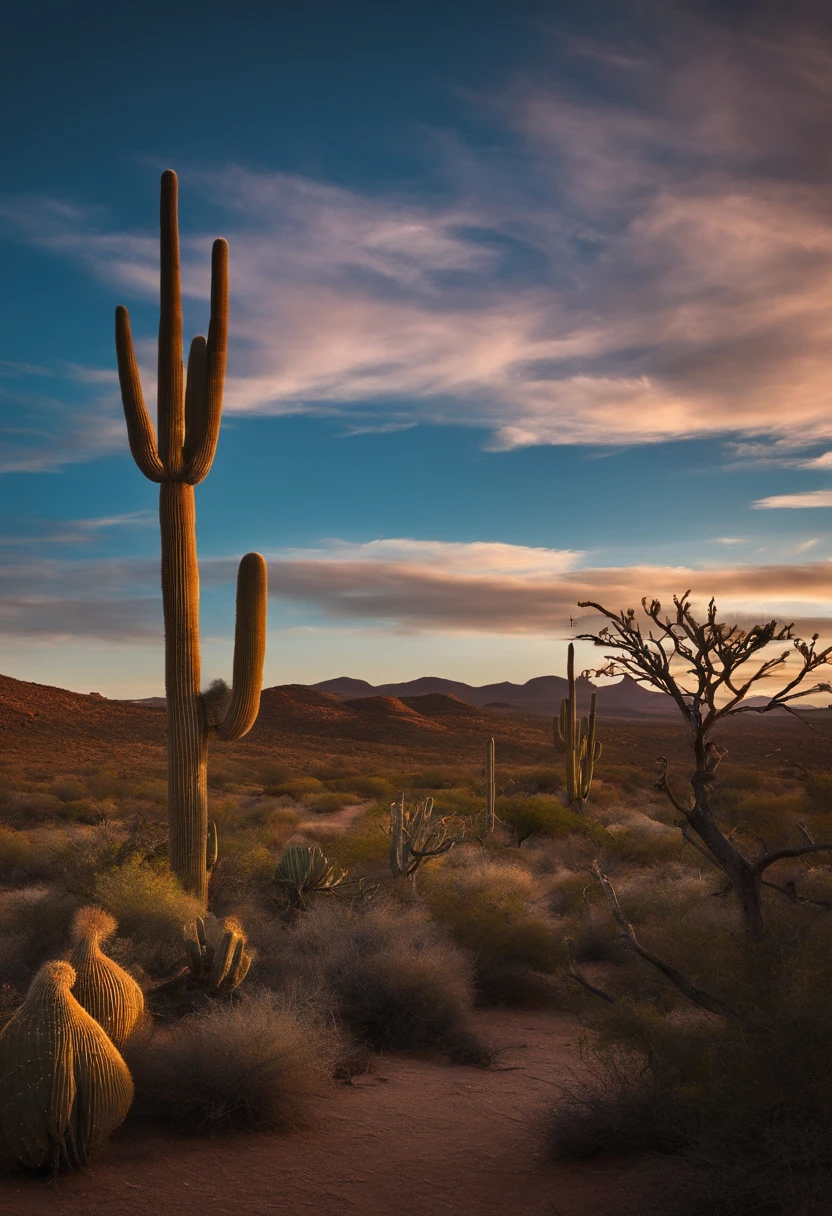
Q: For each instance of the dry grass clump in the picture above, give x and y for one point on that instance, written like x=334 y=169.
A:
x=386 y=973
x=256 y=1065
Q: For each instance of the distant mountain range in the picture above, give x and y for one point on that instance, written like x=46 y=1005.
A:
x=541 y=695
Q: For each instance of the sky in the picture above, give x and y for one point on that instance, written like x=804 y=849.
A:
x=530 y=304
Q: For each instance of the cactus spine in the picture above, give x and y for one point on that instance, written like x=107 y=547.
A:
x=576 y=739
x=188 y=426
x=490 y=787
x=106 y=991
x=63 y=1085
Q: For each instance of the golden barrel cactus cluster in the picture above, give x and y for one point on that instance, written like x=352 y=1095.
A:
x=103 y=988
x=63 y=1084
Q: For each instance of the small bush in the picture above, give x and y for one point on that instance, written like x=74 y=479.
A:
x=325 y=803
x=68 y=789
x=151 y=908
x=493 y=910
x=371 y=789
x=539 y=815
x=296 y=787
x=15 y=851
x=391 y=979
x=255 y=1065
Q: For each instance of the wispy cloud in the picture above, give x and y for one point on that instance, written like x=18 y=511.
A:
x=809 y=498
x=653 y=266
x=408 y=585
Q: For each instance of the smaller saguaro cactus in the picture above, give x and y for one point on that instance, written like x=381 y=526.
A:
x=221 y=968
x=63 y=1085
x=576 y=739
x=415 y=835
x=490 y=787
x=103 y=988
x=303 y=871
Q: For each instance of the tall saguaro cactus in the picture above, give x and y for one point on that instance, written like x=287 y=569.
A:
x=188 y=425
x=576 y=739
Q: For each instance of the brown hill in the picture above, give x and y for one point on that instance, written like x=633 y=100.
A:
x=46 y=731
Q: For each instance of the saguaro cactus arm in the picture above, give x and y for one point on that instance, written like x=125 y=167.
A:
x=249 y=648
x=171 y=397
x=203 y=407
x=140 y=433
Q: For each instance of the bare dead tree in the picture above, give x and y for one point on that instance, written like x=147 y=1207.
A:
x=710 y=668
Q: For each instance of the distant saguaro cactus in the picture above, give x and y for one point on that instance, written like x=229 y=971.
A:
x=490 y=786
x=103 y=988
x=576 y=739
x=63 y=1085
x=188 y=427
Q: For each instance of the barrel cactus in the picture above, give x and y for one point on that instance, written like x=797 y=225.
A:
x=104 y=989
x=63 y=1085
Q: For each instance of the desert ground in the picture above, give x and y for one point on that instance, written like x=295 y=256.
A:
x=442 y=1102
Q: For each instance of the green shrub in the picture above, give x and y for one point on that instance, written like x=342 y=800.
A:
x=364 y=843
x=296 y=787
x=539 y=815
x=493 y=909
x=326 y=803
x=372 y=789
x=150 y=908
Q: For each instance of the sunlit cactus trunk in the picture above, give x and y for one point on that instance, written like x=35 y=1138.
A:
x=188 y=426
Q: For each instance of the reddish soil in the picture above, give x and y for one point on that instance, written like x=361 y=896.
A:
x=415 y=1138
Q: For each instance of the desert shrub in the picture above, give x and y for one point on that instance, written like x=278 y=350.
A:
x=642 y=840
x=34 y=927
x=296 y=787
x=150 y=907
x=325 y=803
x=540 y=815
x=20 y=807
x=15 y=852
x=494 y=910
x=536 y=781
x=68 y=789
x=389 y=976
x=743 y=1112
x=371 y=789
x=258 y=1064
x=364 y=843
x=434 y=779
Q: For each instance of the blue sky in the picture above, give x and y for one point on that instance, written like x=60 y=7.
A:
x=530 y=304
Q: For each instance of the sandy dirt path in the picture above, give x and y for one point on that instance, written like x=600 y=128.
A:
x=413 y=1139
